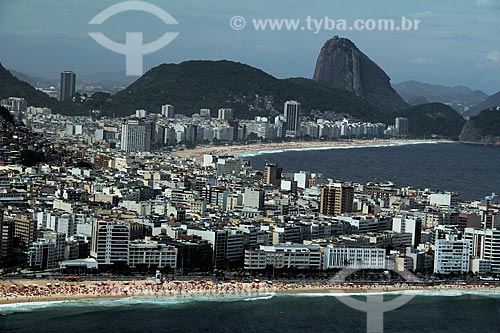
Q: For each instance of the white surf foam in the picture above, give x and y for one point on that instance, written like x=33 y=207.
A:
x=130 y=301
x=259 y=298
x=284 y=150
x=429 y=293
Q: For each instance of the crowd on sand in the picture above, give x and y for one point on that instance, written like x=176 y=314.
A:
x=14 y=291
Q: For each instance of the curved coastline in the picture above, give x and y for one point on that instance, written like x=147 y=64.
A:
x=271 y=148
x=252 y=153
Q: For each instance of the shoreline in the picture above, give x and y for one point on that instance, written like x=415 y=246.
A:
x=270 y=148
x=67 y=292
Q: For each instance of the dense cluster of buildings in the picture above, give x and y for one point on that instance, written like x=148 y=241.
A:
x=145 y=132
x=116 y=199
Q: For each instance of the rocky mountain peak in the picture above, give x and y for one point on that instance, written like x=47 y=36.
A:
x=342 y=65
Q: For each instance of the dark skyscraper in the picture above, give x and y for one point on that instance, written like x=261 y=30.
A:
x=68 y=85
x=292 y=116
x=272 y=175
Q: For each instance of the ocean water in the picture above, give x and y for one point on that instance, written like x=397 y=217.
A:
x=431 y=312
x=472 y=170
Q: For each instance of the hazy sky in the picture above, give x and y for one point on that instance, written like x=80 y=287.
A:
x=458 y=42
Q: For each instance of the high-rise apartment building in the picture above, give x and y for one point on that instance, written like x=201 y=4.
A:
x=272 y=175
x=7 y=237
x=167 y=111
x=253 y=199
x=402 y=126
x=451 y=254
x=25 y=228
x=136 y=135
x=336 y=199
x=408 y=224
x=110 y=242
x=292 y=116
x=68 y=85
x=225 y=114
x=485 y=244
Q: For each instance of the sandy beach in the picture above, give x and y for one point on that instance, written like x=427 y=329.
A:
x=198 y=152
x=23 y=291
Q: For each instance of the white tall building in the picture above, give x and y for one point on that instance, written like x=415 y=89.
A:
x=301 y=178
x=253 y=199
x=110 y=242
x=160 y=255
x=451 y=254
x=167 y=111
x=59 y=240
x=285 y=255
x=353 y=257
x=14 y=104
x=72 y=129
x=42 y=254
x=141 y=113
x=136 y=136
x=292 y=116
x=448 y=199
x=408 y=224
x=225 y=114
x=485 y=244
x=402 y=125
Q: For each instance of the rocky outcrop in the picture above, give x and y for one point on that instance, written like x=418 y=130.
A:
x=470 y=133
x=482 y=128
x=342 y=65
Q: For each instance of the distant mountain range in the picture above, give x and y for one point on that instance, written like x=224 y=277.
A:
x=491 y=102
x=119 y=78
x=460 y=98
x=109 y=81
x=34 y=81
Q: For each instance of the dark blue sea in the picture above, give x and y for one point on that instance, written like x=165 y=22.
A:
x=472 y=170
x=437 y=312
